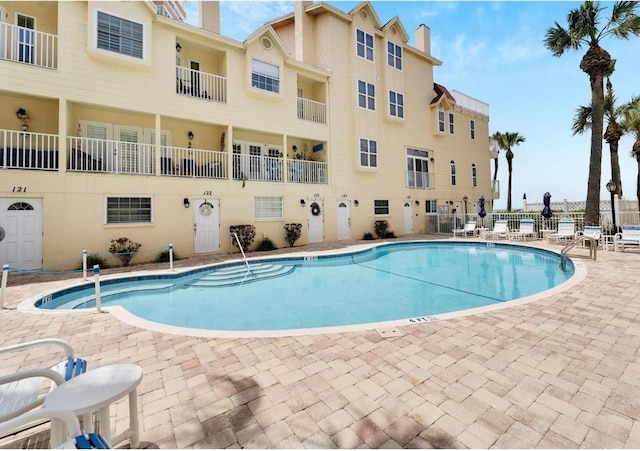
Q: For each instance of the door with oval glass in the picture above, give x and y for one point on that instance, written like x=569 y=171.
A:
x=344 y=220
x=206 y=225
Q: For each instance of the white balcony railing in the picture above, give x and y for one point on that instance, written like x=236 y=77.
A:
x=301 y=171
x=180 y=161
x=202 y=85
x=27 y=46
x=26 y=150
x=104 y=155
x=258 y=168
x=420 y=180
x=310 y=110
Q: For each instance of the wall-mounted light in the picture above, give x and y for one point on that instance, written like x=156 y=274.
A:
x=190 y=136
x=433 y=160
x=185 y=202
x=178 y=47
x=295 y=147
x=22 y=115
x=356 y=203
x=302 y=203
x=417 y=203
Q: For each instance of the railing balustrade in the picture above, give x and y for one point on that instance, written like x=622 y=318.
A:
x=185 y=162
x=194 y=83
x=26 y=150
x=258 y=168
x=27 y=46
x=310 y=110
x=104 y=155
x=420 y=180
x=303 y=171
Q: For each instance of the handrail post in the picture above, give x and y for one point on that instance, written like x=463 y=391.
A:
x=96 y=277
x=84 y=264
x=3 y=287
x=170 y=257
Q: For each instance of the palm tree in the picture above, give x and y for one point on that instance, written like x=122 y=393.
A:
x=613 y=133
x=583 y=30
x=506 y=141
x=631 y=123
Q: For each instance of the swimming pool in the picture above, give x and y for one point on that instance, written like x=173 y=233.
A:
x=409 y=281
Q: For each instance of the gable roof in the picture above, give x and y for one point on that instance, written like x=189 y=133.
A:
x=443 y=97
x=267 y=29
x=395 y=22
x=370 y=10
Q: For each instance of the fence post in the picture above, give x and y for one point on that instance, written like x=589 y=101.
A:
x=3 y=287
x=84 y=264
x=96 y=277
x=170 y=257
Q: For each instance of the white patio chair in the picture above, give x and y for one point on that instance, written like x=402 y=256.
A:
x=566 y=231
x=500 y=230
x=590 y=233
x=525 y=232
x=630 y=236
x=27 y=389
x=469 y=229
x=72 y=436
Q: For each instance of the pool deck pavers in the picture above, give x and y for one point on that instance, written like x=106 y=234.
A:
x=561 y=372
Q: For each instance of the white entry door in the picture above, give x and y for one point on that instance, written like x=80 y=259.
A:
x=21 y=224
x=408 y=219
x=206 y=225
x=316 y=221
x=344 y=220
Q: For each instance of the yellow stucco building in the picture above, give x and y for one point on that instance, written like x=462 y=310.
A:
x=118 y=121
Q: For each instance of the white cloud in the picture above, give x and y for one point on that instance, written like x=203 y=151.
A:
x=513 y=50
x=238 y=19
x=463 y=54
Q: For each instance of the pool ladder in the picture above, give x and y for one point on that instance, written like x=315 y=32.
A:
x=593 y=250
x=244 y=257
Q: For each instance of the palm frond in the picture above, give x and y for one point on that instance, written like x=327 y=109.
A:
x=558 y=40
x=624 y=21
x=582 y=120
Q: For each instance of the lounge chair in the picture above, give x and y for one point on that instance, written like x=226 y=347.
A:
x=590 y=233
x=525 y=232
x=73 y=436
x=630 y=236
x=566 y=231
x=469 y=229
x=27 y=389
x=500 y=230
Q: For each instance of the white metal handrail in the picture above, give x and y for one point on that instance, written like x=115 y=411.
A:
x=194 y=83
x=310 y=110
x=258 y=168
x=27 y=150
x=23 y=45
x=104 y=155
x=185 y=162
x=303 y=171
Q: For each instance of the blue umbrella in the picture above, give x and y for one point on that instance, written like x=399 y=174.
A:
x=482 y=213
x=546 y=211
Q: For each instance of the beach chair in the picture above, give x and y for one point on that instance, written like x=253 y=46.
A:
x=525 y=232
x=500 y=230
x=630 y=236
x=73 y=438
x=566 y=231
x=590 y=233
x=25 y=390
x=469 y=229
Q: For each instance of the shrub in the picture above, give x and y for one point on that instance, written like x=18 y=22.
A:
x=163 y=256
x=390 y=234
x=368 y=236
x=266 y=245
x=381 y=228
x=124 y=250
x=292 y=233
x=246 y=235
x=95 y=259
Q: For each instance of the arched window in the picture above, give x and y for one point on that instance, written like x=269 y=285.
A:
x=453 y=172
x=20 y=206
x=474 y=175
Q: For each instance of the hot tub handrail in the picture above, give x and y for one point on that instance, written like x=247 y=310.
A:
x=244 y=257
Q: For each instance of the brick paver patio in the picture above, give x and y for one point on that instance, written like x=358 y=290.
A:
x=561 y=372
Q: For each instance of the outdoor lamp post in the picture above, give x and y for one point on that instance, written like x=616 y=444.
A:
x=465 y=199
x=611 y=187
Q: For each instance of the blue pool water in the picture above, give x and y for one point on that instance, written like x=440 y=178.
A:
x=388 y=282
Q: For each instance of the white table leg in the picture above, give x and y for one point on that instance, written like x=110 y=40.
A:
x=87 y=422
x=133 y=419
x=58 y=433
x=105 y=423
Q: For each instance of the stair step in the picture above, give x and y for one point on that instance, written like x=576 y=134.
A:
x=242 y=275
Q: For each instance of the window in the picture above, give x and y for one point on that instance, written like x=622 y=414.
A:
x=441 y=121
x=380 y=207
x=394 y=55
x=396 y=104
x=366 y=95
x=364 y=45
x=417 y=168
x=472 y=128
x=474 y=175
x=122 y=210
x=430 y=206
x=451 y=123
x=268 y=207
x=368 y=153
x=265 y=76
x=26 y=38
x=453 y=172
x=119 y=35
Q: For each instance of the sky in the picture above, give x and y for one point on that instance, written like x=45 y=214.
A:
x=494 y=52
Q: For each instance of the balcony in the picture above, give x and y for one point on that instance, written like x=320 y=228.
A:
x=272 y=169
x=25 y=150
x=310 y=110
x=201 y=85
x=420 y=180
x=313 y=172
x=23 y=45
x=116 y=157
x=181 y=162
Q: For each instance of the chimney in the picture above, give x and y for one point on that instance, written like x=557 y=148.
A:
x=209 y=12
x=423 y=39
x=301 y=26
